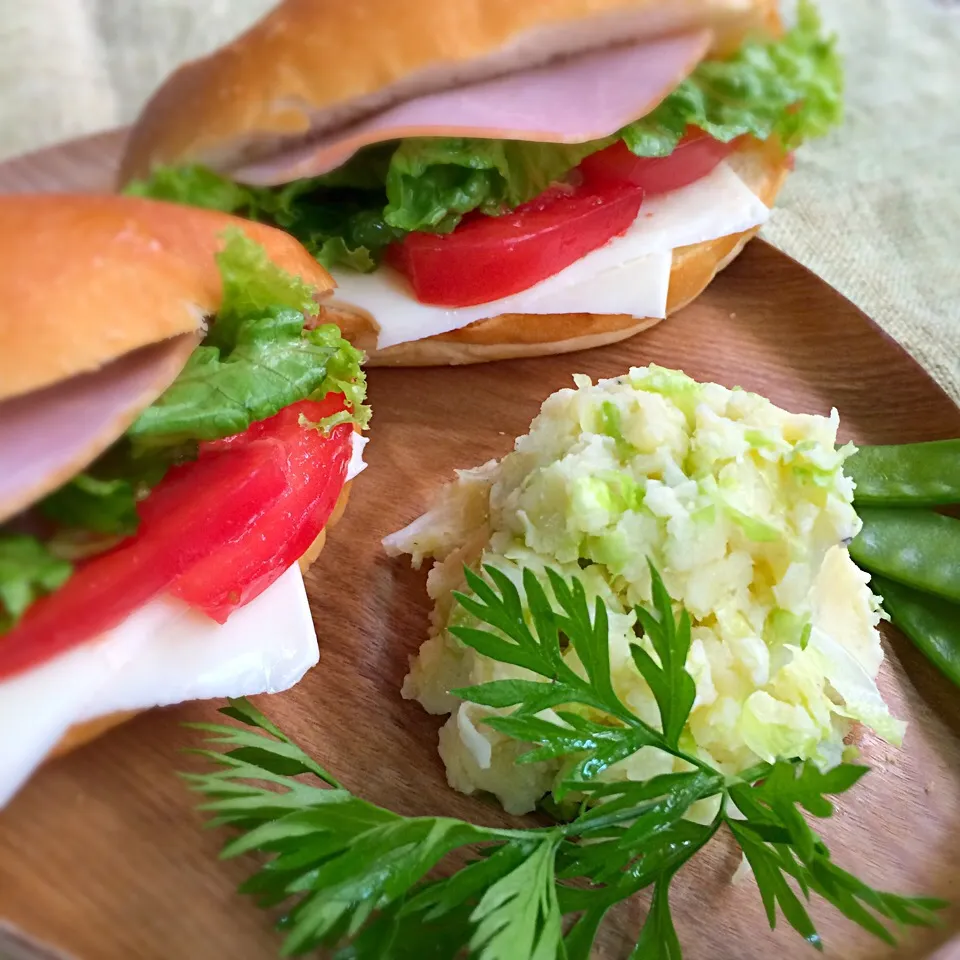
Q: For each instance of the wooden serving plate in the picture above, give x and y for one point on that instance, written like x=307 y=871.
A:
x=102 y=853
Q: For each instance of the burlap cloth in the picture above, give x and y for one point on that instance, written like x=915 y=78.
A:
x=874 y=209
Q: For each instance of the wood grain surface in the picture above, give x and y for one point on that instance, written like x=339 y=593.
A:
x=102 y=854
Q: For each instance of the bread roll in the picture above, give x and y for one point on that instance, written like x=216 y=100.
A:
x=311 y=66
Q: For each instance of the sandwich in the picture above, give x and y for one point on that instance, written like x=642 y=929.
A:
x=489 y=179
x=177 y=432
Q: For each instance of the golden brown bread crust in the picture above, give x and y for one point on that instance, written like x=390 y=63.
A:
x=315 y=65
x=88 y=278
x=763 y=166
x=82 y=733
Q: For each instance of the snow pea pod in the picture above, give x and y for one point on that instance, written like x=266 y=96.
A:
x=908 y=475
x=931 y=623
x=919 y=548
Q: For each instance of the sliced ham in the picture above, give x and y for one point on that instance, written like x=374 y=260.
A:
x=48 y=436
x=575 y=100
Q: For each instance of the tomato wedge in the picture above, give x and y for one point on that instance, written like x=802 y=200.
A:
x=196 y=508
x=488 y=258
x=315 y=465
x=695 y=156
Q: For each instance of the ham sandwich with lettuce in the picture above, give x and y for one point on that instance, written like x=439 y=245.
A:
x=486 y=178
x=177 y=431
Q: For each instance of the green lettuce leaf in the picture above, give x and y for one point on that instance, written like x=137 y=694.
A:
x=257 y=359
x=788 y=88
x=27 y=571
x=103 y=506
x=103 y=499
x=338 y=217
x=432 y=182
x=196 y=186
x=273 y=363
x=253 y=285
x=339 y=227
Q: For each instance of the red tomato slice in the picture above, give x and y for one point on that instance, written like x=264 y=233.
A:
x=189 y=515
x=487 y=258
x=216 y=532
x=316 y=466
x=695 y=156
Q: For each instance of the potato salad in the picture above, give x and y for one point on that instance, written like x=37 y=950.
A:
x=743 y=508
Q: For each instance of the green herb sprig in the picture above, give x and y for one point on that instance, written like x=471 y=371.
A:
x=359 y=880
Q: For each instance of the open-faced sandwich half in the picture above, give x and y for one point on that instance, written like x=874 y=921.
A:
x=176 y=434
x=490 y=179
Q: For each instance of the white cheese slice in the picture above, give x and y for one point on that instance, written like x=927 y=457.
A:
x=630 y=274
x=161 y=654
x=356 y=464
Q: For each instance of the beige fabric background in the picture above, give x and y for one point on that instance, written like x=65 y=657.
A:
x=874 y=209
